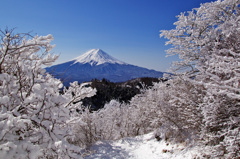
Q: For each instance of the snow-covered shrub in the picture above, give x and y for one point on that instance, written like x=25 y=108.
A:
x=109 y=123
x=114 y=121
x=179 y=110
x=33 y=115
x=85 y=130
x=75 y=93
x=171 y=107
x=207 y=41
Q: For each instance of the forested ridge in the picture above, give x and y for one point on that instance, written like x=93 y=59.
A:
x=122 y=92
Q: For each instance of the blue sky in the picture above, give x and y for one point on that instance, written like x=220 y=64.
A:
x=125 y=29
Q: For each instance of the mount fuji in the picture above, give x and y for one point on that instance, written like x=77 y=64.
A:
x=96 y=64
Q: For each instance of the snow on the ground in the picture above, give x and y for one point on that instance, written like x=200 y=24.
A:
x=141 y=147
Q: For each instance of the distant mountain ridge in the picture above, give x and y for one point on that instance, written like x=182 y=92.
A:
x=96 y=64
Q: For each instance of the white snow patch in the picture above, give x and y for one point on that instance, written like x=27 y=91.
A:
x=4 y=99
x=97 y=57
x=141 y=147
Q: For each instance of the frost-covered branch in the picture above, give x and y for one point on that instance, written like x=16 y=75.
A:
x=33 y=116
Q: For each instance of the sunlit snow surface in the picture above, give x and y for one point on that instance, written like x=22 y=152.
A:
x=97 y=57
x=141 y=147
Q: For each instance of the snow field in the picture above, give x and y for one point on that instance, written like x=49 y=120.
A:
x=140 y=147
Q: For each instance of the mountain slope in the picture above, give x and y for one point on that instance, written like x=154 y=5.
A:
x=98 y=64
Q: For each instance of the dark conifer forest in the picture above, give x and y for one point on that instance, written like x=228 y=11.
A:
x=122 y=92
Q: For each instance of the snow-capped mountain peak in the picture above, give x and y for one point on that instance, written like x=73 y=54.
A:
x=96 y=57
x=96 y=64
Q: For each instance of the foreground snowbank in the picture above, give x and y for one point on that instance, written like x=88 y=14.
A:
x=140 y=147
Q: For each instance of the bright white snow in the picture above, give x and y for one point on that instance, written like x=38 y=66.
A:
x=140 y=147
x=97 y=57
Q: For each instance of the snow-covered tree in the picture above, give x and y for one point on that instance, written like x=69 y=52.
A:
x=196 y=30
x=179 y=109
x=220 y=74
x=112 y=122
x=33 y=115
x=172 y=107
x=207 y=41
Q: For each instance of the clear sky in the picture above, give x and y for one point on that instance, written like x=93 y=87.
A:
x=126 y=29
